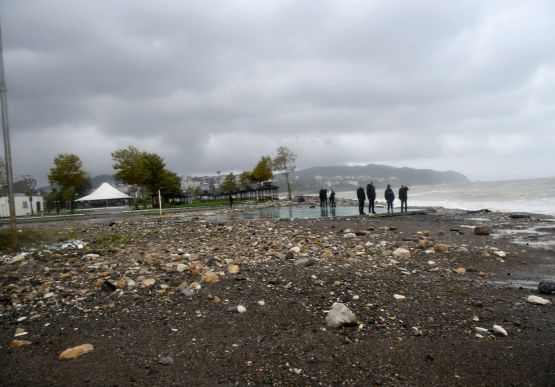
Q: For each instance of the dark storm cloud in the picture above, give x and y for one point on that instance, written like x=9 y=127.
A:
x=213 y=85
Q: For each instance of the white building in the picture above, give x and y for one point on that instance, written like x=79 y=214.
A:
x=22 y=205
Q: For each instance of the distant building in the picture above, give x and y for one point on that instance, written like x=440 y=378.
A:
x=24 y=205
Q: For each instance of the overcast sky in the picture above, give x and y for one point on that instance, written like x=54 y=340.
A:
x=213 y=85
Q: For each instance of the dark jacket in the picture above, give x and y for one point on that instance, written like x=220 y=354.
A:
x=371 y=192
x=389 y=195
x=403 y=193
x=360 y=194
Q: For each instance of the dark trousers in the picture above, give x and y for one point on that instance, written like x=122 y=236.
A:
x=371 y=202
x=389 y=206
x=361 y=206
x=404 y=205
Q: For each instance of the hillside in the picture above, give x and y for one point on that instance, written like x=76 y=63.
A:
x=347 y=178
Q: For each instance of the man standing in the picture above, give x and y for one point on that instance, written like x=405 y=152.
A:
x=403 y=196
x=332 y=198
x=371 y=193
x=361 y=197
x=389 y=198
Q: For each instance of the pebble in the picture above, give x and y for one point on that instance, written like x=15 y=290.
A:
x=149 y=282
x=536 y=300
x=499 y=330
x=237 y=309
x=401 y=253
x=166 y=360
x=399 y=297
x=483 y=230
x=75 y=352
x=210 y=278
x=19 y=343
x=340 y=315
x=441 y=247
x=181 y=267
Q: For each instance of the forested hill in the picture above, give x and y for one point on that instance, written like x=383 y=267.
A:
x=345 y=177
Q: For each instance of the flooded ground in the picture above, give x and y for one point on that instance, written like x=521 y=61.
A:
x=301 y=212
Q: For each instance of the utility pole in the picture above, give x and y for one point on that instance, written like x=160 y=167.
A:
x=7 y=149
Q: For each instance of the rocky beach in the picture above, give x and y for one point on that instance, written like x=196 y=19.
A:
x=442 y=297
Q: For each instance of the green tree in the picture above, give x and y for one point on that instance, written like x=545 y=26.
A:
x=195 y=191
x=53 y=200
x=245 y=178
x=230 y=184
x=68 y=173
x=128 y=164
x=284 y=163
x=263 y=170
x=146 y=171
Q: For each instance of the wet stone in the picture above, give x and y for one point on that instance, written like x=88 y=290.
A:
x=546 y=287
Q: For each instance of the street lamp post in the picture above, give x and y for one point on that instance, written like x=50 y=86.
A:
x=7 y=149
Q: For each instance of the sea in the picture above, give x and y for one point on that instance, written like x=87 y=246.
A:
x=527 y=195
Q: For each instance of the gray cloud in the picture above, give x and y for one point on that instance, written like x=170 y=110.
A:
x=213 y=85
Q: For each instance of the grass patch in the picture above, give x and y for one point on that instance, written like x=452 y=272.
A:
x=110 y=239
x=27 y=237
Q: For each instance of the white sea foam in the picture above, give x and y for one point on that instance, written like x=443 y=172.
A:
x=531 y=195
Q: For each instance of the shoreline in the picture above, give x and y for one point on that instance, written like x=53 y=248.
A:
x=420 y=286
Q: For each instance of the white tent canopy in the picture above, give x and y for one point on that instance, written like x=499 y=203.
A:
x=104 y=192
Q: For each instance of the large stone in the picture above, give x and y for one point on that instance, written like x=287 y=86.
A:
x=233 y=268
x=340 y=315
x=75 y=352
x=441 y=247
x=483 y=230
x=149 y=281
x=546 y=287
x=538 y=300
x=210 y=278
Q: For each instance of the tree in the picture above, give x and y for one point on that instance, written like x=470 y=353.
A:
x=53 y=199
x=68 y=173
x=284 y=163
x=129 y=165
x=263 y=170
x=146 y=171
x=245 y=178
x=230 y=184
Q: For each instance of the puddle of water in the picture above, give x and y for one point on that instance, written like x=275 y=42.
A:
x=525 y=284
x=303 y=212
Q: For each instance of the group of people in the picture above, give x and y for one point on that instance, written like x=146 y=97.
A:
x=389 y=198
x=324 y=198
